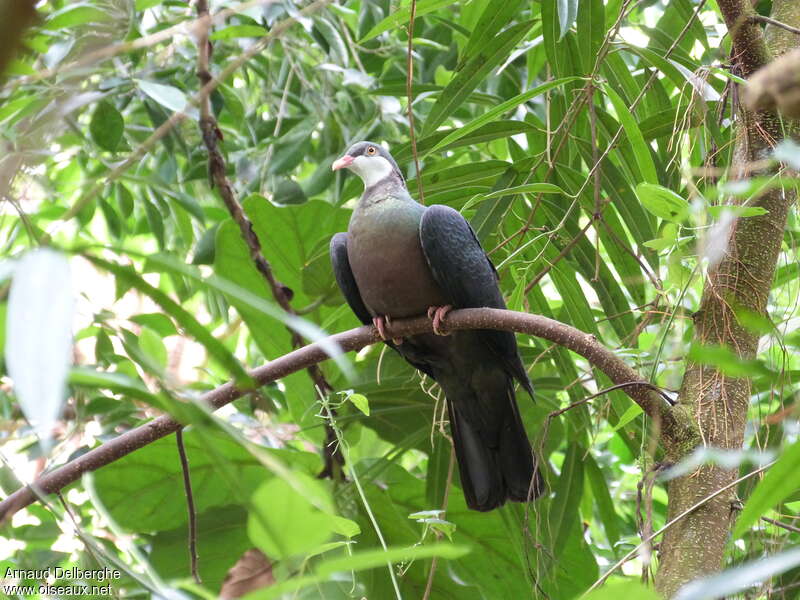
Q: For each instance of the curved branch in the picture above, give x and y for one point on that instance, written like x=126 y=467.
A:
x=673 y=427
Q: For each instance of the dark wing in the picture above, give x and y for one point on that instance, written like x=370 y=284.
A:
x=345 y=279
x=467 y=277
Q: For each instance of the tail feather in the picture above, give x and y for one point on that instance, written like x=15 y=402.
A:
x=495 y=466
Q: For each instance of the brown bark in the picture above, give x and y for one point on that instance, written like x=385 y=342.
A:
x=15 y=18
x=695 y=546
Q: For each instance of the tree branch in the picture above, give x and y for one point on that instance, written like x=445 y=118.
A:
x=776 y=23
x=672 y=422
x=211 y=132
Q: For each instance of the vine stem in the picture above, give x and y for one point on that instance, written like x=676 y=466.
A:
x=345 y=451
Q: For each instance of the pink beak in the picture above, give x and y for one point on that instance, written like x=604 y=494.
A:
x=342 y=163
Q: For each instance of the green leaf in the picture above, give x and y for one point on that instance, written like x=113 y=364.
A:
x=376 y=558
x=622 y=589
x=79 y=13
x=476 y=69
x=663 y=203
x=603 y=500
x=139 y=489
x=477 y=173
x=167 y=96
x=567 y=13
x=528 y=188
x=221 y=542
x=591 y=31
x=436 y=482
x=288 y=192
x=402 y=15
x=486 y=133
x=782 y=480
x=151 y=344
x=115 y=382
x=569 y=488
x=737 y=211
x=285 y=523
x=238 y=31
x=724 y=359
x=360 y=402
x=634 y=410
x=496 y=112
x=106 y=126
x=644 y=158
x=158 y=322
x=494 y=17
x=186 y=320
x=359 y=561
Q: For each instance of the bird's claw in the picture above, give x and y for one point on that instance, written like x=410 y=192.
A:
x=437 y=315
x=380 y=324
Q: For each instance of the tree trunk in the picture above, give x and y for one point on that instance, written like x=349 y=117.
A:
x=695 y=546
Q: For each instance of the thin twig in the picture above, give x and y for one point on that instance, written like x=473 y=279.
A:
x=791 y=528
x=435 y=561
x=774 y=22
x=409 y=79
x=187 y=488
x=342 y=443
x=598 y=213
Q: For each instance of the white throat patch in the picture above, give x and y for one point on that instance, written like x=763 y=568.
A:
x=371 y=169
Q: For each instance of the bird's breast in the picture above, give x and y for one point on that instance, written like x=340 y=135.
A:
x=387 y=261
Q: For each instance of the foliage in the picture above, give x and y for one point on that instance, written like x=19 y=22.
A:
x=514 y=103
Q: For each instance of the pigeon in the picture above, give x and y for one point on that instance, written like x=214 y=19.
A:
x=401 y=259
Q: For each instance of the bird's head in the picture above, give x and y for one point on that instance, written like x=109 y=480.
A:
x=370 y=161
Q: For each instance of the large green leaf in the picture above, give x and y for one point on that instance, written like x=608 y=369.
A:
x=779 y=482
x=221 y=541
x=647 y=170
x=493 y=18
x=139 y=490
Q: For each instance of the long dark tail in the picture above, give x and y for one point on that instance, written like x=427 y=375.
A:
x=494 y=455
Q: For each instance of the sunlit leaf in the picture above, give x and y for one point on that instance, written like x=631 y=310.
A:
x=741 y=578
x=238 y=31
x=663 y=203
x=779 y=482
x=38 y=348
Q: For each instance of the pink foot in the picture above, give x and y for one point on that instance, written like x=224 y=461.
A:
x=437 y=315
x=380 y=324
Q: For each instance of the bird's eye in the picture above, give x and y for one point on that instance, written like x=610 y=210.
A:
x=371 y=150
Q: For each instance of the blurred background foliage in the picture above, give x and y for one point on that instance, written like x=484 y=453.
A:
x=514 y=102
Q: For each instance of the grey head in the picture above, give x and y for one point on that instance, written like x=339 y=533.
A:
x=372 y=163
